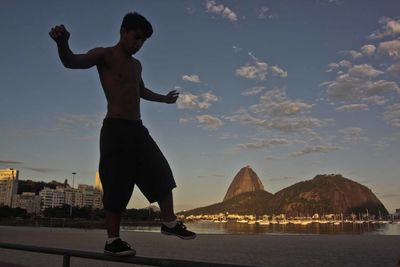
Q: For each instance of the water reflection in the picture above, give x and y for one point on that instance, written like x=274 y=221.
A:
x=312 y=228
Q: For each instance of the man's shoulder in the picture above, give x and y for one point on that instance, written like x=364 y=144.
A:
x=137 y=62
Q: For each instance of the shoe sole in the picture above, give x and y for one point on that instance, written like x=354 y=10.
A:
x=180 y=236
x=120 y=254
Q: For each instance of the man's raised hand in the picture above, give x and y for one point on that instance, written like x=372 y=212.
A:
x=59 y=34
x=172 y=97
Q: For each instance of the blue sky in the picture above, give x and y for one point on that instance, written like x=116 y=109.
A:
x=291 y=88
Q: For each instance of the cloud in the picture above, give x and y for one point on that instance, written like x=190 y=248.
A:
x=191 y=78
x=295 y=124
x=381 y=86
x=277 y=112
x=209 y=122
x=41 y=170
x=394 y=69
x=310 y=150
x=276 y=71
x=253 y=91
x=353 y=135
x=353 y=107
x=364 y=71
x=185 y=120
x=342 y=64
x=263 y=13
x=11 y=162
x=257 y=70
x=375 y=100
x=276 y=103
x=390 y=27
x=190 y=101
x=236 y=49
x=392 y=115
x=354 y=54
x=222 y=10
x=368 y=50
x=390 y=49
x=356 y=85
x=68 y=121
x=265 y=143
x=245 y=119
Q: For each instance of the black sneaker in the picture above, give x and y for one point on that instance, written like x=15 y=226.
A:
x=179 y=230
x=119 y=248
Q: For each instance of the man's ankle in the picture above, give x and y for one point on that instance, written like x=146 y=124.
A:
x=170 y=224
x=111 y=239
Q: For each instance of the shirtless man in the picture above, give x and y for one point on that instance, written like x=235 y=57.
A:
x=128 y=154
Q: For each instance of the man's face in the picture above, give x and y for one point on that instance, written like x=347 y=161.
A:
x=134 y=39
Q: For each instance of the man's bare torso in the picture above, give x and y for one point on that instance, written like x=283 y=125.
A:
x=121 y=80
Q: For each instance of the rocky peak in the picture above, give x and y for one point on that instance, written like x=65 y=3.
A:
x=246 y=180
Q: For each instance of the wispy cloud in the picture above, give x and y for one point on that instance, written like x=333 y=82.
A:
x=191 y=78
x=353 y=107
x=264 y=143
x=392 y=115
x=253 y=91
x=394 y=69
x=368 y=49
x=209 y=122
x=353 y=135
x=222 y=10
x=189 y=101
x=276 y=103
x=310 y=150
x=390 y=49
x=257 y=69
x=11 y=162
x=265 y=13
x=41 y=170
x=390 y=27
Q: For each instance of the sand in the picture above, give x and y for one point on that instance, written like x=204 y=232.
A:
x=258 y=250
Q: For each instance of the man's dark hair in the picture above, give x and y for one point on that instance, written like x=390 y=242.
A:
x=135 y=21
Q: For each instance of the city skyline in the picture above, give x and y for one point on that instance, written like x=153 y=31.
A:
x=293 y=89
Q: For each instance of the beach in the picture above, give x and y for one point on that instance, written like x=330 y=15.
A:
x=245 y=249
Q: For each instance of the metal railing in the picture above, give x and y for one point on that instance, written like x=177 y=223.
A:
x=68 y=253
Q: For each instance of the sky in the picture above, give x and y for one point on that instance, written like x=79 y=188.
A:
x=291 y=88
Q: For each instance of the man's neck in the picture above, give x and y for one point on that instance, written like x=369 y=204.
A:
x=119 y=48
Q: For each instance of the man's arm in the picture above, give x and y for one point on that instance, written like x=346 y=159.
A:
x=147 y=94
x=70 y=60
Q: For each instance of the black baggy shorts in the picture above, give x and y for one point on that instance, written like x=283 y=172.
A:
x=129 y=156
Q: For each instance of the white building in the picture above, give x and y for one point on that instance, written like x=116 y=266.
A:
x=83 y=196
x=8 y=186
x=52 y=197
x=88 y=196
x=28 y=201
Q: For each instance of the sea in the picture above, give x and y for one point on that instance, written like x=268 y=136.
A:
x=232 y=227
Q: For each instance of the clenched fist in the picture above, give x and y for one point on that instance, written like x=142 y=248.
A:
x=59 y=34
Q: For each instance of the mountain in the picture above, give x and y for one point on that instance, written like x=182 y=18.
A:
x=326 y=194
x=247 y=203
x=246 y=180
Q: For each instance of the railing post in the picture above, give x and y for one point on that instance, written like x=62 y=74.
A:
x=66 y=260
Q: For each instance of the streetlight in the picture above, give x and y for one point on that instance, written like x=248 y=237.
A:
x=72 y=194
x=73 y=178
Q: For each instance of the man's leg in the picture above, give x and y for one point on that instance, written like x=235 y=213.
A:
x=114 y=245
x=170 y=226
x=113 y=221
x=167 y=208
